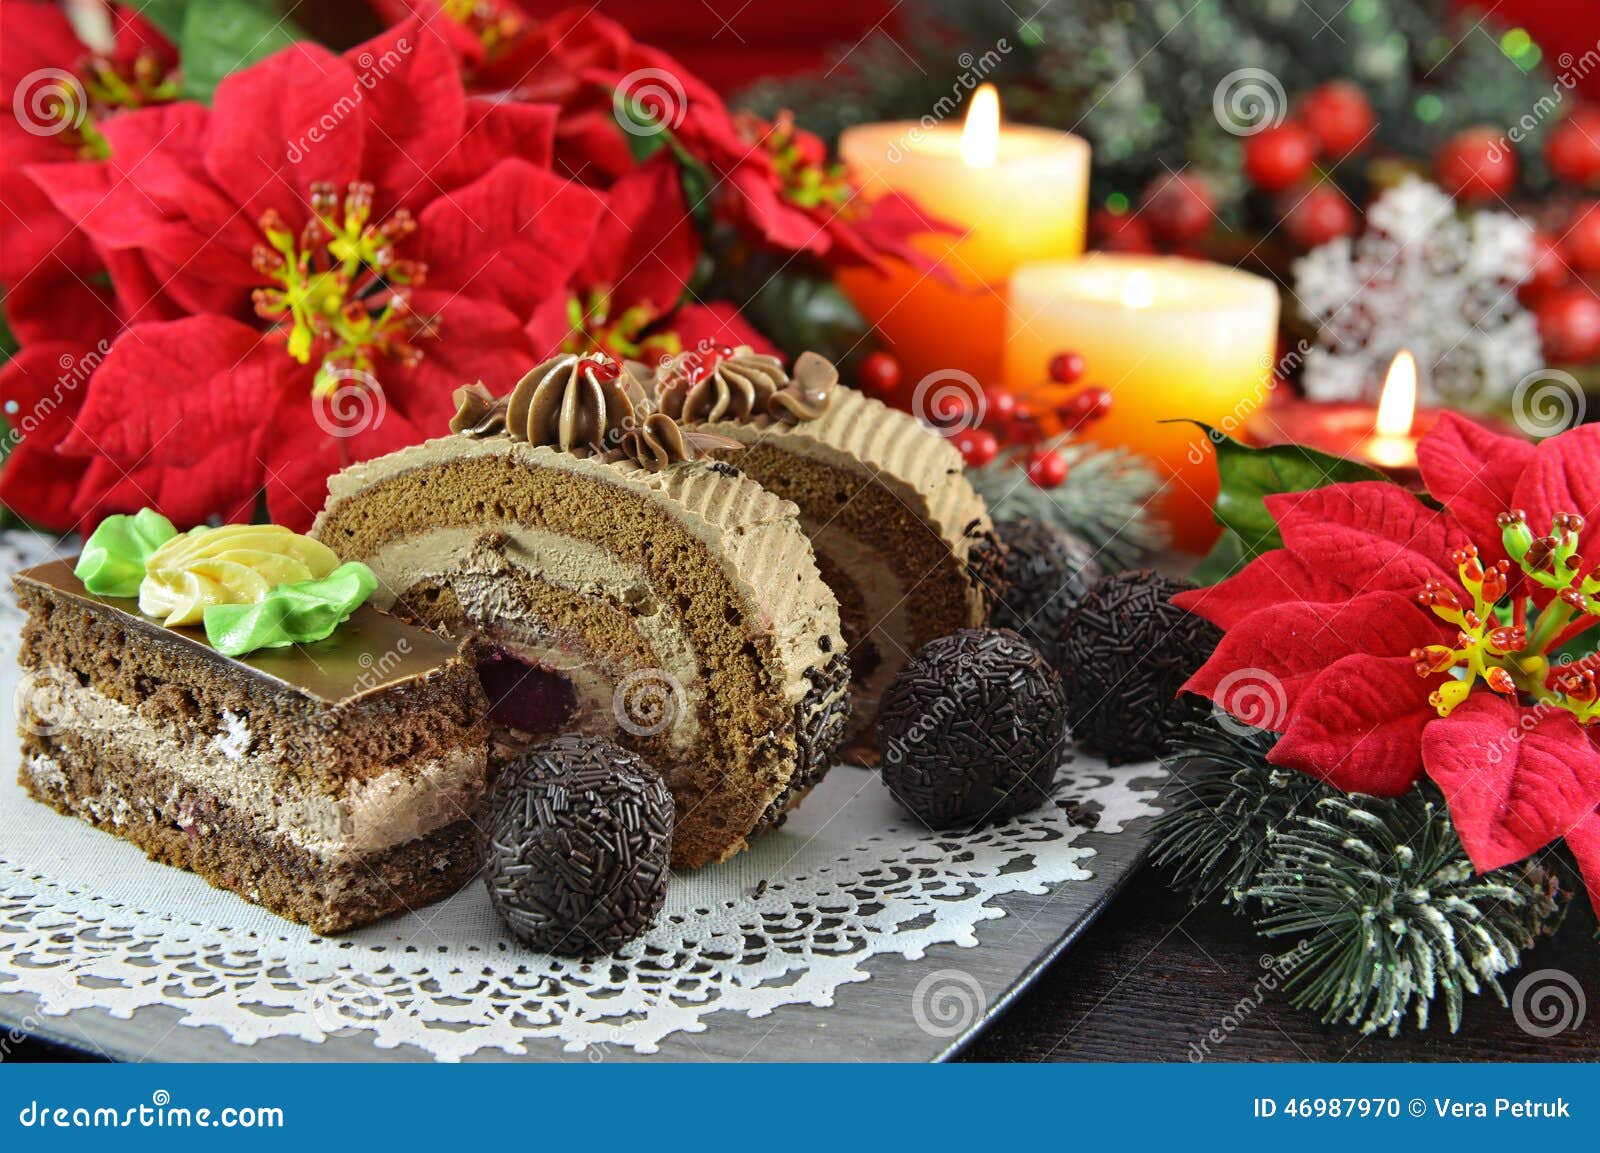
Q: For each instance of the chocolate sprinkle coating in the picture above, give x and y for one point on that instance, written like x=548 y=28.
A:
x=819 y=721
x=577 y=846
x=1126 y=651
x=972 y=728
x=1044 y=572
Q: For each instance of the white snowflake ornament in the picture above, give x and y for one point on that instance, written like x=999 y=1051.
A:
x=1423 y=277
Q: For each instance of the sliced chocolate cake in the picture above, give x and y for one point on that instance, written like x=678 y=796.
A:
x=331 y=782
x=900 y=535
x=613 y=581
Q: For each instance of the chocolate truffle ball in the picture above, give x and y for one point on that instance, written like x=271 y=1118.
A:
x=1125 y=652
x=972 y=728
x=577 y=846
x=1044 y=572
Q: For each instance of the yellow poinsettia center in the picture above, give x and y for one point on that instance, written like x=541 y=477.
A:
x=102 y=88
x=592 y=324
x=1505 y=640
x=338 y=291
x=494 y=25
x=808 y=181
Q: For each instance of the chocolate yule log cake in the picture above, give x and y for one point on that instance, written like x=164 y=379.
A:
x=327 y=771
x=900 y=535
x=613 y=581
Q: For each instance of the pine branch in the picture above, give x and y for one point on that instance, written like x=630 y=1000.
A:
x=1391 y=913
x=1227 y=800
x=1104 y=500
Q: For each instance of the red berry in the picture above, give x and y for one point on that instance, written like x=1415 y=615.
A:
x=977 y=446
x=999 y=407
x=1066 y=367
x=1548 y=269
x=1180 y=206
x=1090 y=404
x=1319 y=216
x=951 y=409
x=1581 y=241
x=1120 y=232
x=1476 y=164
x=1572 y=150
x=1569 y=325
x=1046 y=468
x=1339 y=115
x=1279 y=158
x=878 y=374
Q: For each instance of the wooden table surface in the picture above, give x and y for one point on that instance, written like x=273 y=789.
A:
x=1153 y=976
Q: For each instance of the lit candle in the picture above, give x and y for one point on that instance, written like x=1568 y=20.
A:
x=1169 y=339
x=1016 y=194
x=1384 y=437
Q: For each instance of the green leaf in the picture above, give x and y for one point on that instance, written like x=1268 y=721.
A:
x=290 y=614
x=1249 y=475
x=223 y=36
x=1226 y=557
x=166 y=15
x=806 y=311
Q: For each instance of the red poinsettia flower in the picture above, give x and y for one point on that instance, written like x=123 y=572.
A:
x=351 y=238
x=61 y=91
x=624 y=295
x=1391 y=639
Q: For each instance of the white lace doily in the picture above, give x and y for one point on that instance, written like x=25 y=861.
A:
x=87 y=922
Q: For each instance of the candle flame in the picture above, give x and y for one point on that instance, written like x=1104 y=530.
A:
x=1397 y=406
x=1139 y=291
x=980 y=136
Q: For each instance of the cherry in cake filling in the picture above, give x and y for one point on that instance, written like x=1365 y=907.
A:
x=524 y=695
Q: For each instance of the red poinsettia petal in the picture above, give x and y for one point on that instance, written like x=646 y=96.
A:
x=1515 y=778
x=38 y=235
x=222 y=484
x=38 y=394
x=1276 y=577
x=308 y=440
x=1474 y=473
x=1359 y=726
x=408 y=82
x=1371 y=534
x=1562 y=477
x=590 y=148
x=1265 y=663
x=645 y=245
x=874 y=232
x=1584 y=841
x=171 y=392
x=716 y=324
x=779 y=223
x=476 y=341
x=497 y=130
x=512 y=237
x=282 y=124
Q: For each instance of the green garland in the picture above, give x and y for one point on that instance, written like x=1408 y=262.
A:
x=1104 y=500
x=1386 y=908
x=1137 y=77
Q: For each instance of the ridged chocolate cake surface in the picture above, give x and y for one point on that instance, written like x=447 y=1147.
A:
x=896 y=526
x=333 y=782
x=678 y=612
